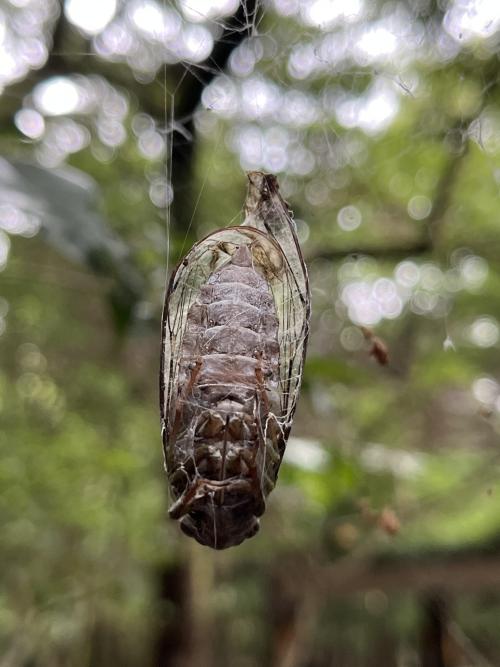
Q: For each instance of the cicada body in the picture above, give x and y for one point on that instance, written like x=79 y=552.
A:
x=234 y=335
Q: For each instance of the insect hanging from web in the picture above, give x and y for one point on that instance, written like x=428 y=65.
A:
x=234 y=333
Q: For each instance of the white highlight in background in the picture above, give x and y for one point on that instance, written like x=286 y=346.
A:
x=485 y=390
x=349 y=218
x=4 y=249
x=305 y=453
x=484 y=332
x=325 y=13
x=202 y=10
x=375 y=42
x=30 y=123
x=56 y=96
x=91 y=16
x=467 y=19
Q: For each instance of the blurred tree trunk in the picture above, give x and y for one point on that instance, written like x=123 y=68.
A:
x=384 y=650
x=433 y=637
x=193 y=80
x=173 y=617
x=108 y=646
x=292 y=610
x=443 y=644
x=185 y=628
x=184 y=638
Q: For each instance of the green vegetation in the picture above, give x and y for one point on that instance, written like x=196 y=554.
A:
x=386 y=514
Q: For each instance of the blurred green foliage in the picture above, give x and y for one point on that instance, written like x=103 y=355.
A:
x=398 y=462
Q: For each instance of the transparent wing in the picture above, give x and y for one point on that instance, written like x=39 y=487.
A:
x=269 y=232
x=267 y=211
x=206 y=257
x=184 y=286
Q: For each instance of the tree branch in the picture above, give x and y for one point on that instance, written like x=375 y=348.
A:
x=394 y=253
x=193 y=82
x=442 y=200
x=473 y=568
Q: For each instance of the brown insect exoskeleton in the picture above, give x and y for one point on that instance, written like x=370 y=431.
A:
x=234 y=333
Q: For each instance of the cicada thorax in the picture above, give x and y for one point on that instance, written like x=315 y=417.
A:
x=224 y=435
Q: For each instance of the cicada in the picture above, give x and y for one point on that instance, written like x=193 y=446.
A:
x=234 y=332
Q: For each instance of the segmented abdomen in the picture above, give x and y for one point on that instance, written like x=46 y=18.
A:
x=224 y=439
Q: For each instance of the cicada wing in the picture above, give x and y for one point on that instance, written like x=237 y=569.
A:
x=293 y=319
x=182 y=291
x=267 y=211
x=205 y=258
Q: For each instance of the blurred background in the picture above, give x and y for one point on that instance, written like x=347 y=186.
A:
x=126 y=128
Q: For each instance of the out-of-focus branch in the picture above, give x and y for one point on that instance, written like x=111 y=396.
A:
x=427 y=244
x=192 y=82
x=394 y=253
x=457 y=140
x=293 y=609
x=195 y=79
x=442 y=641
x=474 y=568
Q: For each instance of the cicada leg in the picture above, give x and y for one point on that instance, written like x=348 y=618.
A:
x=182 y=504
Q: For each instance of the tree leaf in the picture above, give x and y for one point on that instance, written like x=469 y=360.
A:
x=65 y=200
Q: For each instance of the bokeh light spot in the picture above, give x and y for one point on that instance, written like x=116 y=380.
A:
x=419 y=207
x=484 y=332
x=57 y=96
x=349 y=218
x=30 y=123
x=91 y=16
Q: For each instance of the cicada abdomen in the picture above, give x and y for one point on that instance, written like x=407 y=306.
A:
x=235 y=326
